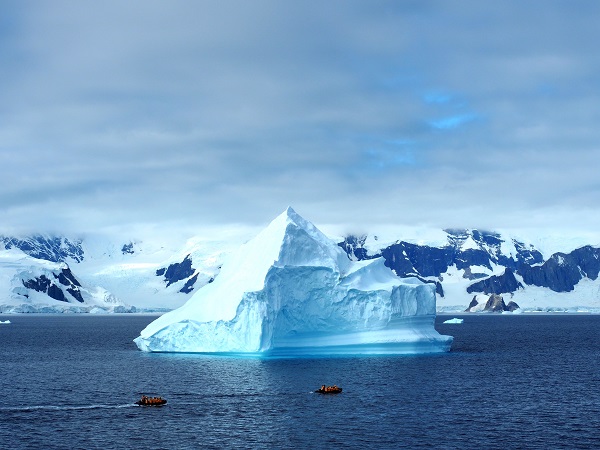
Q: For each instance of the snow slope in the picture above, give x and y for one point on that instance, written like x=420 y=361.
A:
x=133 y=275
x=471 y=263
x=292 y=291
x=149 y=275
x=33 y=285
x=160 y=273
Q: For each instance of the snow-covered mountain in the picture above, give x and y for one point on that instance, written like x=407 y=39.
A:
x=292 y=291
x=47 y=248
x=471 y=265
x=31 y=285
x=464 y=265
x=130 y=276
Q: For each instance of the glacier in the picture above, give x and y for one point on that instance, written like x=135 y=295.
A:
x=291 y=291
x=32 y=285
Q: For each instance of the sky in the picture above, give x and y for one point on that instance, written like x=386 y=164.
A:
x=179 y=117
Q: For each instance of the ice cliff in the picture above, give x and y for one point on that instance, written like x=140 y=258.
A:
x=292 y=291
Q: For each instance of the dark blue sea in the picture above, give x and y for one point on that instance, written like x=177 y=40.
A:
x=510 y=381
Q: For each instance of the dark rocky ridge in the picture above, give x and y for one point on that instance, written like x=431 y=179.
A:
x=49 y=287
x=560 y=273
x=495 y=303
x=180 y=271
x=62 y=249
x=497 y=284
x=127 y=249
x=49 y=248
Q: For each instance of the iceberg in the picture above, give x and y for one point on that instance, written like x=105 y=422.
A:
x=455 y=320
x=291 y=291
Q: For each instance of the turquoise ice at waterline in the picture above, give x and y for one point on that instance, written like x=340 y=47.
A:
x=292 y=292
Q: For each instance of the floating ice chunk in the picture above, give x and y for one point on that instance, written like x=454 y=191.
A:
x=6 y=322
x=455 y=320
x=291 y=291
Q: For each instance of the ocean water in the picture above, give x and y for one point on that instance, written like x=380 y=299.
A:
x=510 y=381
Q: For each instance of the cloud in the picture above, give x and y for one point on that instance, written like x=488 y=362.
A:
x=438 y=97
x=197 y=114
x=452 y=122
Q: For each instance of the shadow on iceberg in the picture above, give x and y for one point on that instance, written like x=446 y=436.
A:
x=293 y=292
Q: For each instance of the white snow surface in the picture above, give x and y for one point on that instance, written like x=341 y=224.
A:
x=469 y=244
x=132 y=277
x=547 y=242
x=118 y=282
x=17 y=267
x=585 y=297
x=291 y=291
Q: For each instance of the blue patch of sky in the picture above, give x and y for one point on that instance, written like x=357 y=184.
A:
x=12 y=54
x=450 y=108
x=438 y=98
x=381 y=158
x=387 y=154
x=397 y=78
x=11 y=22
x=377 y=153
x=452 y=122
x=546 y=89
x=401 y=82
x=400 y=142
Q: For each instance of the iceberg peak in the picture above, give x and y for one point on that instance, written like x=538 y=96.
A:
x=290 y=211
x=289 y=215
x=291 y=290
x=291 y=240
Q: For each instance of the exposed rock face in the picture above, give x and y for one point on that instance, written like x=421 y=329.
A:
x=588 y=260
x=473 y=304
x=181 y=275
x=48 y=248
x=127 y=249
x=472 y=251
x=467 y=262
x=354 y=246
x=512 y=306
x=562 y=271
x=473 y=276
x=178 y=271
x=408 y=259
x=497 y=284
x=495 y=303
x=46 y=285
x=189 y=284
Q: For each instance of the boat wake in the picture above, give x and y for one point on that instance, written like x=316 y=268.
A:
x=64 y=407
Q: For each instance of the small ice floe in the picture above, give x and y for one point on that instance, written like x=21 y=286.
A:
x=455 y=320
x=6 y=322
